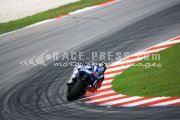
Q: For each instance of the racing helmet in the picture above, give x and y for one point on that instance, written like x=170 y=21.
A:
x=103 y=65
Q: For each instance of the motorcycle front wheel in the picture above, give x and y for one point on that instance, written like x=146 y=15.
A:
x=75 y=90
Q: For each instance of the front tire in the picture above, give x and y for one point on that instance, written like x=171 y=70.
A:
x=75 y=90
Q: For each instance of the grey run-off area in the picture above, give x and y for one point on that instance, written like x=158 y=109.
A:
x=16 y=9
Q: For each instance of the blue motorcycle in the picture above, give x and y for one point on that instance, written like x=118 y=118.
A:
x=80 y=84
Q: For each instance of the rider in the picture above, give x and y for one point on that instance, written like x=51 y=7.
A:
x=97 y=71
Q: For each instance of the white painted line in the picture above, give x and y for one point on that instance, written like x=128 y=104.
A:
x=106 y=98
x=111 y=75
x=163 y=43
x=144 y=101
x=82 y=10
x=167 y=102
x=104 y=87
x=167 y=43
x=107 y=81
x=149 y=52
x=121 y=100
x=117 y=68
x=146 y=52
x=174 y=38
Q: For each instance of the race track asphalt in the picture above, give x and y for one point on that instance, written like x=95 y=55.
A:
x=38 y=92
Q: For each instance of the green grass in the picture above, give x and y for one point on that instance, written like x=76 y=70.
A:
x=153 y=81
x=17 y=24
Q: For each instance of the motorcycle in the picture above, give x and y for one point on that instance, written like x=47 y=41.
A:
x=80 y=84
